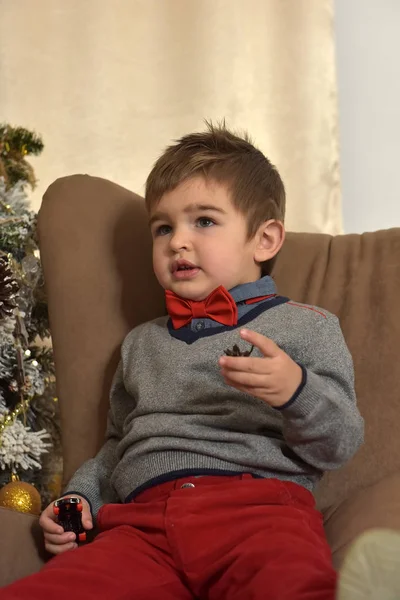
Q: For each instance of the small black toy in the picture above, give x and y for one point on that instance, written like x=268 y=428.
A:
x=69 y=516
x=237 y=352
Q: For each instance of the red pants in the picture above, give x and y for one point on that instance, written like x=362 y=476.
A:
x=226 y=538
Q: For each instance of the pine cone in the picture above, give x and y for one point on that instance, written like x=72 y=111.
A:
x=8 y=289
x=236 y=351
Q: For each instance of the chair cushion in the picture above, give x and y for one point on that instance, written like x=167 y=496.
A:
x=22 y=547
x=378 y=505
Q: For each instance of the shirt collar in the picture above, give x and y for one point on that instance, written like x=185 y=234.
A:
x=245 y=291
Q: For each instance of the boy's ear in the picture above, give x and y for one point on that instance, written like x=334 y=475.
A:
x=269 y=239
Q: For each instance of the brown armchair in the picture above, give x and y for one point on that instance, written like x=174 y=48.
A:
x=97 y=262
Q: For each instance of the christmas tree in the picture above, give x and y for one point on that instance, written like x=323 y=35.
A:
x=29 y=425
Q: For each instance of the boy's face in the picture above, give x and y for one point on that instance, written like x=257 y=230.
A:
x=200 y=240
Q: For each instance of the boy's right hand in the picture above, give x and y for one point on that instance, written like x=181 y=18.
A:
x=56 y=540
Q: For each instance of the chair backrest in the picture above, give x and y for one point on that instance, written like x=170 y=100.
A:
x=96 y=253
x=356 y=277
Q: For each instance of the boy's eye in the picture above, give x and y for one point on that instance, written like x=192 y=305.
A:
x=205 y=222
x=163 y=230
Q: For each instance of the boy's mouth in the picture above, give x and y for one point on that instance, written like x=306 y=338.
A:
x=183 y=269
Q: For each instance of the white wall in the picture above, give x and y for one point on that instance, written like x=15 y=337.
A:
x=368 y=69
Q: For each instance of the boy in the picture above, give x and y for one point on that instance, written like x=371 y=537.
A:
x=223 y=416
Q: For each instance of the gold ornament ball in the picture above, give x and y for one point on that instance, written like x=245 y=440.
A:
x=20 y=496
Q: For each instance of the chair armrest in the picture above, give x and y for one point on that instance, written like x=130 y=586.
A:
x=377 y=505
x=23 y=551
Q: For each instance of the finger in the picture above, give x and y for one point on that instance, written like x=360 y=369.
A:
x=49 y=525
x=266 y=346
x=245 y=365
x=250 y=380
x=59 y=539
x=54 y=549
x=87 y=522
x=254 y=392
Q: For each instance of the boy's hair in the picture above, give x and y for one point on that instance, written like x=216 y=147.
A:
x=256 y=188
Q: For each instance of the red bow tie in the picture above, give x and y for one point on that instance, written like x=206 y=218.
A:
x=219 y=306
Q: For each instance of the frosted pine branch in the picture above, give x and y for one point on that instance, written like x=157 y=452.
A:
x=3 y=408
x=21 y=448
x=14 y=197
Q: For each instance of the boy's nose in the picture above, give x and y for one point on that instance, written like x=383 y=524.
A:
x=179 y=241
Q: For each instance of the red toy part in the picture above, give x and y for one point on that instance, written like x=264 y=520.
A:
x=56 y=510
x=82 y=537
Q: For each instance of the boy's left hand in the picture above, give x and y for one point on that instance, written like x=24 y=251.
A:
x=273 y=378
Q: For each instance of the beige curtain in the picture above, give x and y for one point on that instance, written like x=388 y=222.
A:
x=108 y=83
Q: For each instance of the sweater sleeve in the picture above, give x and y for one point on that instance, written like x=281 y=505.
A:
x=321 y=423
x=93 y=479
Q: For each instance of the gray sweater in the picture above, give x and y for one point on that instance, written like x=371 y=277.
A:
x=171 y=413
